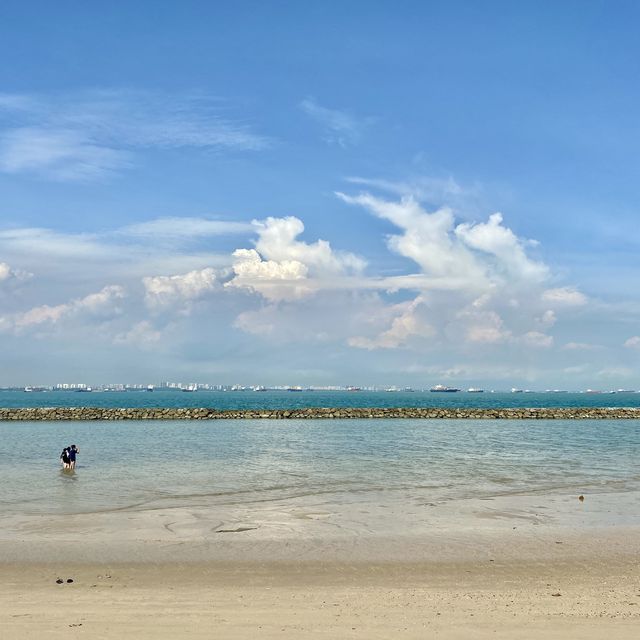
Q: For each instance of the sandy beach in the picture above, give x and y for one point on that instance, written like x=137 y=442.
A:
x=588 y=599
x=502 y=580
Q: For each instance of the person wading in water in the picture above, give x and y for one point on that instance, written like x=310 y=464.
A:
x=64 y=458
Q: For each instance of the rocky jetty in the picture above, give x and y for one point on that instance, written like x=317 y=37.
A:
x=315 y=413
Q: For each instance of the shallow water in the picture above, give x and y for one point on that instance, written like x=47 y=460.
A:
x=141 y=466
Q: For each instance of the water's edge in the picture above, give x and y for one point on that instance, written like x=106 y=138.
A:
x=191 y=413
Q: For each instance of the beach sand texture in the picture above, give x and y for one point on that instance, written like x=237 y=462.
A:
x=591 y=600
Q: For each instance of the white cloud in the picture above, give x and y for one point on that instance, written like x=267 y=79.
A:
x=548 y=318
x=123 y=254
x=175 y=228
x=428 y=240
x=277 y=240
x=282 y=267
x=100 y=304
x=341 y=127
x=506 y=248
x=405 y=327
x=615 y=373
x=633 y=342
x=89 y=135
x=565 y=296
x=473 y=257
x=537 y=339
x=8 y=274
x=484 y=327
x=580 y=346
x=424 y=189
x=274 y=280
x=165 y=291
x=58 y=154
x=142 y=335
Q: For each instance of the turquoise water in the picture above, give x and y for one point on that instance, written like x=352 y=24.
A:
x=154 y=465
x=288 y=400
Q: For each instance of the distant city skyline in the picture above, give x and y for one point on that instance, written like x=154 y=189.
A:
x=236 y=387
x=375 y=193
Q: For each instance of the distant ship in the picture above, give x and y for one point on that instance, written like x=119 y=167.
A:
x=474 y=390
x=190 y=389
x=83 y=390
x=294 y=388
x=514 y=390
x=439 y=388
x=150 y=387
x=354 y=389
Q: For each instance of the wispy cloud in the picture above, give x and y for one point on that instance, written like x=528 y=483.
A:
x=176 y=227
x=90 y=135
x=340 y=127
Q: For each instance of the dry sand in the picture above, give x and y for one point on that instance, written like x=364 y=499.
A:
x=597 y=599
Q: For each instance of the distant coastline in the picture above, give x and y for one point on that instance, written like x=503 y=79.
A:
x=314 y=413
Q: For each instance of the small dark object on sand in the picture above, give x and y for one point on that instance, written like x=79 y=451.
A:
x=581 y=498
x=555 y=595
x=69 y=580
x=59 y=581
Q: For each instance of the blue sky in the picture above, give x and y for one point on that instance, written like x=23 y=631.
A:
x=301 y=192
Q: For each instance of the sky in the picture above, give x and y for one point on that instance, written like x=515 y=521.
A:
x=388 y=193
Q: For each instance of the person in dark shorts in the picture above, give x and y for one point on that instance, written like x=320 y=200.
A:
x=64 y=458
x=73 y=452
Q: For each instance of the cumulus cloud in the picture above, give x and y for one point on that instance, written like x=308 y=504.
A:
x=100 y=304
x=467 y=256
x=485 y=287
x=632 y=343
x=142 y=334
x=565 y=296
x=275 y=280
x=282 y=267
x=548 y=318
x=427 y=239
x=8 y=274
x=537 y=339
x=406 y=325
x=507 y=250
x=277 y=240
x=182 y=289
x=484 y=327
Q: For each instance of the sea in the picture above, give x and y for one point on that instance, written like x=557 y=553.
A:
x=273 y=399
x=168 y=464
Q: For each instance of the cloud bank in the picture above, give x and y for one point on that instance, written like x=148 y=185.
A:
x=472 y=297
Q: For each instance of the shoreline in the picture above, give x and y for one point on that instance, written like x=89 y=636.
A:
x=317 y=413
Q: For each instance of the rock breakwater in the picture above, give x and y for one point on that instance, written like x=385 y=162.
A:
x=318 y=413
